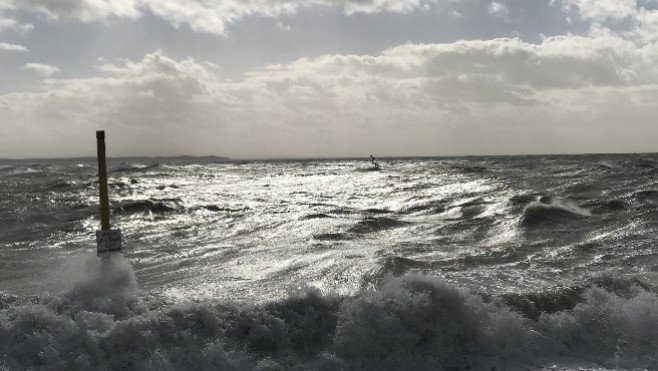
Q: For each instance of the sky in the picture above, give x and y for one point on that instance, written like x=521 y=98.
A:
x=328 y=78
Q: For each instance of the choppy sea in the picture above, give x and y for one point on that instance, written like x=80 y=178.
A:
x=473 y=263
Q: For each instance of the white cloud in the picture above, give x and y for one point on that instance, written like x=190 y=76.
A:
x=283 y=27
x=375 y=6
x=213 y=17
x=84 y=10
x=199 y=15
x=498 y=10
x=472 y=96
x=42 y=69
x=635 y=20
x=12 y=47
x=495 y=96
x=456 y=14
x=12 y=24
x=604 y=9
x=7 y=22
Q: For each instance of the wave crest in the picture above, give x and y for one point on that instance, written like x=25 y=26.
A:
x=153 y=205
x=370 y=225
x=553 y=212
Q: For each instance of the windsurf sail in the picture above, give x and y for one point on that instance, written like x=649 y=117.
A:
x=374 y=161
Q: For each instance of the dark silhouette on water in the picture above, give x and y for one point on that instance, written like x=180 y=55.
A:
x=374 y=162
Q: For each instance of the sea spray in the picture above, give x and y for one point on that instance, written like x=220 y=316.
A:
x=444 y=327
x=109 y=286
x=404 y=323
x=607 y=329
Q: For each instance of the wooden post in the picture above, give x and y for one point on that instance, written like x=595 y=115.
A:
x=107 y=240
x=102 y=181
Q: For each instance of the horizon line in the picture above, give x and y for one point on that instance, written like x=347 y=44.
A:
x=293 y=158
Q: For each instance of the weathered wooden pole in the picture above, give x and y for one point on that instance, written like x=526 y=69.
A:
x=102 y=181
x=107 y=240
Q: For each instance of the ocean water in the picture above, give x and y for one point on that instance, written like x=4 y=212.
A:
x=477 y=263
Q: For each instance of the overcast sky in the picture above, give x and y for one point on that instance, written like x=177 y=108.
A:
x=322 y=78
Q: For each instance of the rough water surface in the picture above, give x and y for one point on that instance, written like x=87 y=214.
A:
x=479 y=263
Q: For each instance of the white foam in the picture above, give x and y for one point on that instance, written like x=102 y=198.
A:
x=406 y=323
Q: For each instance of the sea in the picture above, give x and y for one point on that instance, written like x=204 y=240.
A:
x=447 y=263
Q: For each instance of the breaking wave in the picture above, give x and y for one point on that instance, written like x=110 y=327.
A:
x=156 y=206
x=315 y=216
x=104 y=323
x=133 y=167
x=370 y=225
x=551 y=212
x=426 y=207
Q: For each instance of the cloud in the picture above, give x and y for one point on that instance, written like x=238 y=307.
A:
x=376 y=6
x=283 y=27
x=212 y=17
x=8 y=22
x=42 y=69
x=635 y=20
x=502 y=95
x=498 y=10
x=468 y=97
x=83 y=10
x=602 y=10
x=13 y=47
x=146 y=99
x=199 y=15
x=13 y=25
